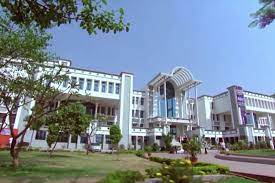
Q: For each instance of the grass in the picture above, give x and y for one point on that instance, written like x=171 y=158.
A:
x=237 y=180
x=38 y=167
x=257 y=152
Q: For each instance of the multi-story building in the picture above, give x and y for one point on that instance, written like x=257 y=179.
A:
x=168 y=104
x=237 y=114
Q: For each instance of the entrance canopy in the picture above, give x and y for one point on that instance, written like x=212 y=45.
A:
x=180 y=77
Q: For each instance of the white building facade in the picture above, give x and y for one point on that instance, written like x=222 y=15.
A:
x=237 y=114
x=168 y=104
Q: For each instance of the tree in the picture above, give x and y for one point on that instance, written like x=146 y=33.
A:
x=99 y=118
x=69 y=120
x=193 y=147
x=92 y=15
x=115 y=136
x=167 y=139
x=28 y=79
x=265 y=15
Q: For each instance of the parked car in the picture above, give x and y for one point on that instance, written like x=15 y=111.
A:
x=180 y=150
x=95 y=147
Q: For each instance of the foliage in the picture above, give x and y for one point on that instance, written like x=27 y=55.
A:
x=265 y=15
x=148 y=149
x=155 y=147
x=167 y=139
x=127 y=176
x=179 y=171
x=243 y=145
x=26 y=78
x=139 y=153
x=192 y=146
x=91 y=15
x=115 y=135
x=71 y=119
x=199 y=168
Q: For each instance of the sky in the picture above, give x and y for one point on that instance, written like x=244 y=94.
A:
x=210 y=38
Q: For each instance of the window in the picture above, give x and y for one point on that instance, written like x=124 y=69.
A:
x=74 y=81
x=113 y=111
x=133 y=100
x=103 y=86
x=74 y=139
x=224 y=117
x=212 y=105
x=158 y=137
x=109 y=111
x=96 y=86
x=81 y=83
x=218 y=117
x=117 y=88
x=141 y=114
x=40 y=135
x=102 y=110
x=213 y=117
x=141 y=101
x=83 y=138
x=63 y=137
x=99 y=138
x=137 y=114
x=111 y=87
x=137 y=100
x=65 y=83
x=133 y=113
x=89 y=84
x=107 y=139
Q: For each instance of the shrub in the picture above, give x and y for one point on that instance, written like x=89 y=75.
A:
x=177 y=171
x=140 y=153
x=155 y=147
x=210 y=169
x=123 y=177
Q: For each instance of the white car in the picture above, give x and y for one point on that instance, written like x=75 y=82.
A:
x=95 y=147
x=180 y=150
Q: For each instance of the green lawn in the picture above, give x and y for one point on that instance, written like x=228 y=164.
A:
x=258 y=152
x=237 y=180
x=68 y=166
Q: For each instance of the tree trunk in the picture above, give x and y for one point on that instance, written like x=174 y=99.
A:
x=14 y=154
x=88 y=144
x=51 y=151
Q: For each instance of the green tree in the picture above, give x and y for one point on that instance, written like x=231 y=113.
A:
x=27 y=78
x=70 y=120
x=115 y=136
x=193 y=147
x=265 y=15
x=92 y=15
x=167 y=139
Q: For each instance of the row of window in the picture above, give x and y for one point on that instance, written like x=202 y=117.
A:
x=137 y=114
x=106 y=110
x=216 y=117
x=259 y=103
x=138 y=100
x=64 y=138
x=106 y=87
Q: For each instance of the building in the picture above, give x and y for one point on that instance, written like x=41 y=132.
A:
x=168 y=104
x=237 y=114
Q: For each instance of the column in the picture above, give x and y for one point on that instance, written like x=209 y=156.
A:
x=252 y=119
x=197 y=112
x=165 y=108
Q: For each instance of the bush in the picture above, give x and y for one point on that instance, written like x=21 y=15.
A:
x=210 y=169
x=155 y=147
x=167 y=161
x=179 y=171
x=139 y=153
x=123 y=177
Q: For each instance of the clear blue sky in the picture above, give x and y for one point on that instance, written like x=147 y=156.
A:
x=210 y=38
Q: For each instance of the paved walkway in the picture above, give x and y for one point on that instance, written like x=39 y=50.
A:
x=242 y=167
